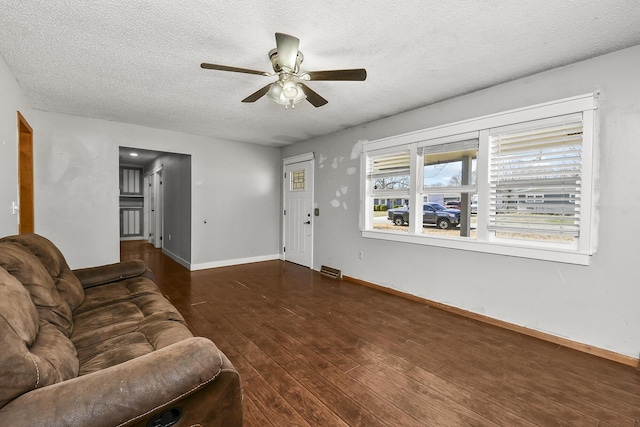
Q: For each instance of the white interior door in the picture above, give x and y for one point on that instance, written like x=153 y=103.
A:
x=298 y=212
x=158 y=207
x=151 y=207
x=154 y=208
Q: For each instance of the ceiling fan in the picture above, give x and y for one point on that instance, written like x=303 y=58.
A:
x=288 y=90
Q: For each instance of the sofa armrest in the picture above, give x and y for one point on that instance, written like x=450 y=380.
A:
x=127 y=393
x=95 y=276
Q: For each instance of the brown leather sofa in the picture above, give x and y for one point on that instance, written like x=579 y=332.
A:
x=101 y=347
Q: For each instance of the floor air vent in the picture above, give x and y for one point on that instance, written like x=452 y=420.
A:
x=334 y=273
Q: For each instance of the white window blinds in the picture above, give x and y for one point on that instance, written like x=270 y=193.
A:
x=535 y=177
x=389 y=173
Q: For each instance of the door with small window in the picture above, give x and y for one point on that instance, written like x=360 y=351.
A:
x=298 y=212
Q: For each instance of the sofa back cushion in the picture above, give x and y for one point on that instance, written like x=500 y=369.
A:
x=34 y=353
x=29 y=271
x=66 y=282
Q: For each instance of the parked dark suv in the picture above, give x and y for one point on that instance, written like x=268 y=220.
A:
x=432 y=213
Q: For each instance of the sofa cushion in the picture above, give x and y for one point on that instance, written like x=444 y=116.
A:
x=123 y=346
x=122 y=290
x=29 y=271
x=34 y=353
x=105 y=321
x=121 y=321
x=66 y=282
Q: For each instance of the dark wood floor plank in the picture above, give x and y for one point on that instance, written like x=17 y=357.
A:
x=346 y=408
x=414 y=398
x=528 y=405
x=306 y=403
x=316 y=351
x=480 y=403
x=384 y=410
x=331 y=378
x=570 y=390
x=253 y=416
x=272 y=405
x=296 y=327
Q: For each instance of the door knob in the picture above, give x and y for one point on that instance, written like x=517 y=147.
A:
x=308 y=222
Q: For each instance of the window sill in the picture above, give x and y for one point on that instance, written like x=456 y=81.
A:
x=555 y=255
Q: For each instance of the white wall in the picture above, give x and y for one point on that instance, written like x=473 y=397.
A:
x=235 y=188
x=595 y=304
x=11 y=100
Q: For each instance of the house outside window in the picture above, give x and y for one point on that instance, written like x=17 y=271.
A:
x=521 y=180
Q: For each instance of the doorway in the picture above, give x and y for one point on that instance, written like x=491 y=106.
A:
x=155 y=207
x=25 y=177
x=298 y=210
x=163 y=201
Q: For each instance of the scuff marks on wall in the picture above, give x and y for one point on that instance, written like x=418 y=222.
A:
x=335 y=162
x=357 y=149
x=339 y=193
x=342 y=190
x=321 y=159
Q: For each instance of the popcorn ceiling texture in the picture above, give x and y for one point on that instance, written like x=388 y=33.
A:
x=139 y=62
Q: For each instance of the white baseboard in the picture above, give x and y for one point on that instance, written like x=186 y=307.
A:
x=228 y=262
x=183 y=262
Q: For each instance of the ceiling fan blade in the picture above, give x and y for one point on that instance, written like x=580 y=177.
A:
x=356 y=74
x=258 y=94
x=287 y=47
x=233 y=69
x=315 y=99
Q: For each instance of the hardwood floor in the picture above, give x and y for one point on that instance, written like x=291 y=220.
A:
x=314 y=351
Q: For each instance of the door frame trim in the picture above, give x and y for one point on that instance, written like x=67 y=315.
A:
x=310 y=156
x=26 y=199
x=158 y=203
x=298 y=159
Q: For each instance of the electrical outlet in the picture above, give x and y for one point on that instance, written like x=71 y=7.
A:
x=361 y=255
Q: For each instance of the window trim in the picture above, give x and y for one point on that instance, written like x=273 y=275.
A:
x=480 y=127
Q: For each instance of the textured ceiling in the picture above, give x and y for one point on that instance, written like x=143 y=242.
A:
x=139 y=61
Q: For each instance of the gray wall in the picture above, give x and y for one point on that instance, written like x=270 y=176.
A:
x=76 y=199
x=176 y=182
x=77 y=196
x=595 y=304
x=77 y=190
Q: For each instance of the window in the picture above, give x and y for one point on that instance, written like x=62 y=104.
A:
x=520 y=183
x=449 y=172
x=535 y=180
x=388 y=173
x=298 y=180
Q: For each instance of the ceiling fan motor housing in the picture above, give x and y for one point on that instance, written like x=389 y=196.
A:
x=275 y=63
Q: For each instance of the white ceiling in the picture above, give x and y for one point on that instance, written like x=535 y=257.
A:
x=139 y=61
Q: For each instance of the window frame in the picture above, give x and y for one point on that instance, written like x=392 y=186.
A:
x=481 y=128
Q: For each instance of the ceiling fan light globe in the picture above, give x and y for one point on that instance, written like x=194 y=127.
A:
x=275 y=91
x=286 y=92
x=300 y=95
x=290 y=89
